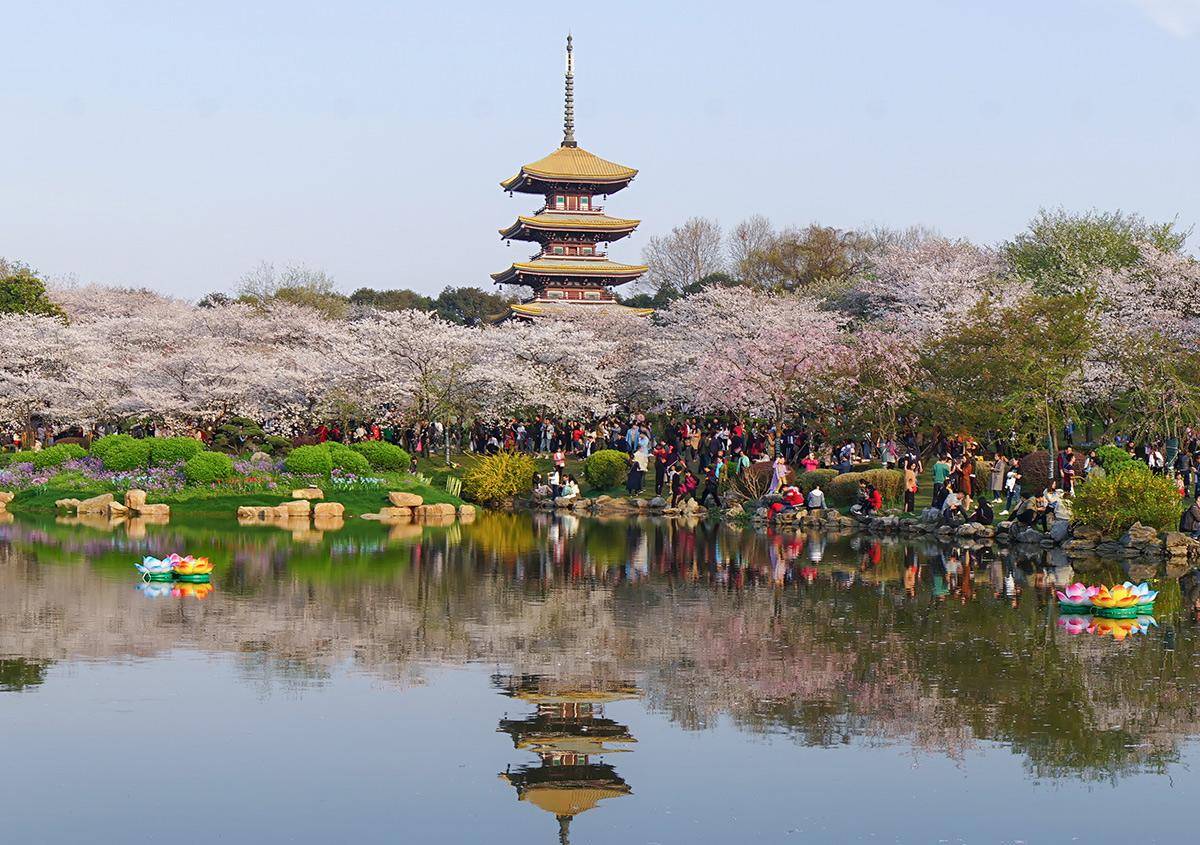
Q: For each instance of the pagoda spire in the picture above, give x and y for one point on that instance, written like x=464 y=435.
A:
x=569 y=105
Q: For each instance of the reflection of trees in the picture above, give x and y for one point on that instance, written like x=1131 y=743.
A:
x=17 y=673
x=710 y=621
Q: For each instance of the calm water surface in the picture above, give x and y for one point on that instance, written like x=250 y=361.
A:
x=549 y=680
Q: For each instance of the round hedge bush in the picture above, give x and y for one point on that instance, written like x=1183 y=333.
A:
x=606 y=468
x=1131 y=493
x=1111 y=457
x=309 y=460
x=806 y=481
x=383 y=456
x=165 y=451
x=55 y=455
x=101 y=445
x=207 y=467
x=127 y=455
x=347 y=460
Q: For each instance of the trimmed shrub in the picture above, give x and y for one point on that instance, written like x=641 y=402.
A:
x=606 y=468
x=276 y=445
x=101 y=445
x=60 y=453
x=806 y=481
x=207 y=467
x=889 y=482
x=499 y=477
x=309 y=460
x=165 y=451
x=1035 y=471
x=843 y=490
x=236 y=435
x=126 y=455
x=383 y=456
x=1129 y=494
x=7 y=458
x=1111 y=457
x=347 y=460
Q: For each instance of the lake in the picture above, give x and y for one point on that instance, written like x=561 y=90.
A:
x=533 y=678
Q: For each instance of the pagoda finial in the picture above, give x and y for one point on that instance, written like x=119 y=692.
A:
x=569 y=110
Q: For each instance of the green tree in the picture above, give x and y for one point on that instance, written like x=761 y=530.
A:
x=1011 y=366
x=468 y=306
x=22 y=292
x=398 y=299
x=1060 y=252
x=797 y=258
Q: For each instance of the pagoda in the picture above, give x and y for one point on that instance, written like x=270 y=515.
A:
x=570 y=272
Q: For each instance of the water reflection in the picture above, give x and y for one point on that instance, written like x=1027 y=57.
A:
x=822 y=639
x=567 y=732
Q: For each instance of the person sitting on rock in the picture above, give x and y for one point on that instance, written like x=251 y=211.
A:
x=816 y=499
x=983 y=513
x=1189 y=522
x=793 y=499
x=541 y=490
x=1031 y=511
x=570 y=488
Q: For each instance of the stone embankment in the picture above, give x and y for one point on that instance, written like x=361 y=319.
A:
x=106 y=505
x=618 y=506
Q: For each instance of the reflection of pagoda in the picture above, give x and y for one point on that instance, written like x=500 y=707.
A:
x=565 y=731
x=569 y=273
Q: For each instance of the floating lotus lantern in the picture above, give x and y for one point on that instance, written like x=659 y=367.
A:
x=1119 y=602
x=1119 y=629
x=196 y=570
x=153 y=569
x=1145 y=595
x=1077 y=598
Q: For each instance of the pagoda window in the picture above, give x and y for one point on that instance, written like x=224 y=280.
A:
x=556 y=294
x=585 y=203
x=557 y=250
x=560 y=202
x=591 y=294
x=587 y=250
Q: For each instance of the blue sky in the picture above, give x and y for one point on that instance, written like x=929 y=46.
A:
x=176 y=144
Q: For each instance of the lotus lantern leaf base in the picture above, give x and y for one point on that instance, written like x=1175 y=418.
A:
x=1063 y=607
x=199 y=578
x=1118 y=612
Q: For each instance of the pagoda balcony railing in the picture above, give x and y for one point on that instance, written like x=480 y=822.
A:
x=547 y=254
x=595 y=209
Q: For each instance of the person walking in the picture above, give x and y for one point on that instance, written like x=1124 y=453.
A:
x=712 y=479
x=999 y=471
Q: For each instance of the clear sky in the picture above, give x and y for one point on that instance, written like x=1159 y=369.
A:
x=176 y=144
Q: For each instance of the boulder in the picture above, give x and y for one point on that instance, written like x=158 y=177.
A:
x=308 y=493
x=985 y=531
x=658 y=503
x=117 y=509
x=466 y=513
x=299 y=507
x=1086 y=533
x=1177 y=543
x=560 y=502
x=329 y=510
x=1030 y=535
x=1060 y=531
x=6 y=497
x=246 y=512
x=1002 y=527
x=373 y=517
x=96 y=504
x=159 y=511
x=260 y=458
x=1139 y=535
x=67 y=504
x=405 y=500
x=391 y=513
x=930 y=515
x=134 y=499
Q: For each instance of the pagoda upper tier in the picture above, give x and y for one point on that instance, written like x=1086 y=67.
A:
x=548 y=226
x=570 y=169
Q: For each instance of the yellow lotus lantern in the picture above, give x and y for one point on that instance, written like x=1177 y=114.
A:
x=194 y=569
x=185 y=590
x=1119 y=602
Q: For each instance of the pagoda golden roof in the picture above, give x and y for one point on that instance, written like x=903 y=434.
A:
x=562 y=266
x=549 y=221
x=570 y=164
x=571 y=801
